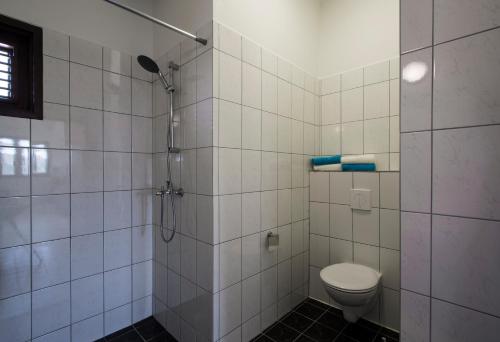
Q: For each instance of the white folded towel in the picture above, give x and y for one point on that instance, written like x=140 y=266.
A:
x=358 y=159
x=328 y=167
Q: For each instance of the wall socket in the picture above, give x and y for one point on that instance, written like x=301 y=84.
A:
x=361 y=199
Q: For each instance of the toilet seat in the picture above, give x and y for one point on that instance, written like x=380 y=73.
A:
x=352 y=278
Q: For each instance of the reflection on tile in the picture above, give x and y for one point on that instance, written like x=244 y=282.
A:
x=14 y=221
x=50 y=171
x=15 y=275
x=86 y=213
x=116 y=61
x=50 y=263
x=466 y=72
x=14 y=171
x=86 y=171
x=14 y=131
x=416 y=90
x=116 y=93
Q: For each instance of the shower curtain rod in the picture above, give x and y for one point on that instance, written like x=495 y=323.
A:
x=158 y=21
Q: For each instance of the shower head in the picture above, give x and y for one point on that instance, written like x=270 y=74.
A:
x=148 y=64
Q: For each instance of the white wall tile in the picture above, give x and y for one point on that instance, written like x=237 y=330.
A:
x=142 y=278
x=251 y=52
x=466 y=71
x=366 y=255
x=319 y=213
x=460 y=269
x=352 y=105
x=284 y=98
x=340 y=187
x=55 y=80
x=251 y=86
x=376 y=73
x=251 y=170
x=390 y=228
x=230 y=217
x=366 y=226
x=86 y=255
x=50 y=263
x=416 y=90
x=455 y=323
x=250 y=213
x=57 y=171
x=416 y=252
x=454 y=20
x=87 y=296
x=269 y=131
x=416 y=24
x=229 y=124
x=376 y=135
x=455 y=175
x=117 y=128
x=15 y=317
x=320 y=251
x=15 y=221
x=416 y=171
x=53 y=130
x=55 y=44
x=352 y=137
x=86 y=171
x=341 y=217
x=15 y=271
x=269 y=93
x=85 y=52
x=88 y=329
x=117 y=171
x=50 y=217
x=230 y=309
x=85 y=86
x=330 y=109
x=415 y=317
x=376 y=100
x=352 y=79
x=229 y=171
x=251 y=132
x=116 y=93
x=229 y=78
x=117 y=287
x=50 y=309
x=116 y=61
x=117 y=249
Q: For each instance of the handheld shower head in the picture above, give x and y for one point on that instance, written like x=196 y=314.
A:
x=148 y=64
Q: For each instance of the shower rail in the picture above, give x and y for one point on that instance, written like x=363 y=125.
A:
x=158 y=21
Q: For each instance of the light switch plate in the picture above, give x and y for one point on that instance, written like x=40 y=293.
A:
x=361 y=199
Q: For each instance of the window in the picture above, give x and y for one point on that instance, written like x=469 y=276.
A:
x=21 y=74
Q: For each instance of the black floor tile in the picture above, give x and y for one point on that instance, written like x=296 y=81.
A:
x=118 y=333
x=149 y=328
x=367 y=324
x=360 y=333
x=344 y=338
x=282 y=333
x=303 y=338
x=319 y=332
x=131 y=336
x=164 y=337
x=297 y=321
x=317 y=303
x=333 y=321
x=101 y=340
x=262 y=338
x=310 y=311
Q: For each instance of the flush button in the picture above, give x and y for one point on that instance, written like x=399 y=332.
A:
x=361 y=199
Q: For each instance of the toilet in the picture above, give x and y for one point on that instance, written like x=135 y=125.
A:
x=355 y=287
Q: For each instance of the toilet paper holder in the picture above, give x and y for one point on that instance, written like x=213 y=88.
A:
x=273 y=240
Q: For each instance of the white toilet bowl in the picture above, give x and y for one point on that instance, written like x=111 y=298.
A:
x=355 y=287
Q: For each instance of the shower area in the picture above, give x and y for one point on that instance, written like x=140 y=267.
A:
x=170 y=168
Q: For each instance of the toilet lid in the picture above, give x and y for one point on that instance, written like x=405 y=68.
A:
x=350 y=277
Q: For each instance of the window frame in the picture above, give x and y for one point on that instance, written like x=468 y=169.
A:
x=27 y=69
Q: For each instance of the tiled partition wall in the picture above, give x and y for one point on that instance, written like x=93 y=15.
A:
x=75 y=199
x=371 y=238
x=267 y=123
x=449 y=170
x=360 y=113
x=184 y=292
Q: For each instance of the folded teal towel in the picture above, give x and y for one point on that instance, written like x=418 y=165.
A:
x=358 y=167
x=326 y=160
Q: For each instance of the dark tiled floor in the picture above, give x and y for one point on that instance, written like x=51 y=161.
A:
x=147 y=330
x=313 y=321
